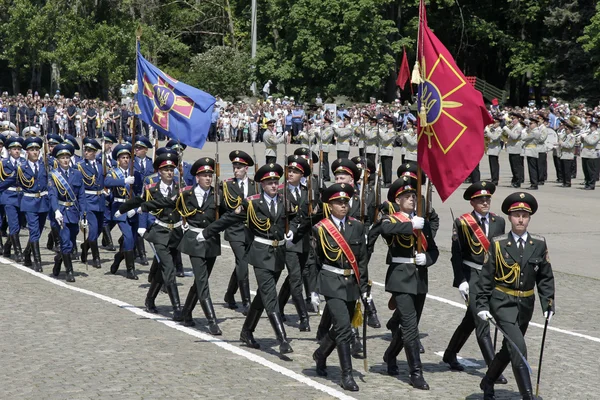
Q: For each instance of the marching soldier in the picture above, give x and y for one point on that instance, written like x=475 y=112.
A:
x=32 y=177
x=179 y=147
x=235 y=190
x=343 y=136
x=197 y=205
x=372 y=139
x=514 y=265
x=589 y=141
x=53 y=236
x=530 y=138
x=265 y=216
x=566 y=144
x=514 y=147
x=406 y=277
x=409 y=143
x=75 y=159
x=542 y=151
x=271 y=140
x=11 y=195
x=124 y=183
x=387 y=138
x=296 y=254
x=306 y=136
x=107 y=163
x=93 y=180
x=471 y=235
x=67 y=197
x=324 y=138
x=493 y=134
x=341 y=261
x=142 y=164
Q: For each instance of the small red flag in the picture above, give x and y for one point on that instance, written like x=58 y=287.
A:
x=403 y=72
x=451 y=142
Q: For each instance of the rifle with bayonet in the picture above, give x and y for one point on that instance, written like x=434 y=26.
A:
x=255 y=166
x=217 y=180
x=377 y=186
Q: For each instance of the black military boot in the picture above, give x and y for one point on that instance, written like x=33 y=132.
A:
x=413 y=358
x=173 y=292
x=495 y=369
x=459 y=338
x=57 y=264
x=209 y=312
x=487 y=350
x=1 y=244
x=324 y=324
x=107 y=241
x=6 y=248
x=50 y=243
x=153 y=292
x=16 y=244
x=320 y=355
x=130 y=264
x=355 y=344
x=245 y=293
x=68 y=267
x=27 y=255
x=84 y=252
x=75 y=251
x=37 y=257
x=394 y=348
x=231 y=289
x=250 y=323
x=393 y=323
x=348 y=382
x=372 y=319
x=188 y=307
x=283 y=297
x=277 y=324
x=304 y=325
x=141 y=247
x=119 y=256
x=179 y=272
x=421 y=347
x=56 y=237
x=96 y=263
x=524 y=382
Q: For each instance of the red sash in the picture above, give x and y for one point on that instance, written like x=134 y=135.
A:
x=472 y=223
x=339 y=239
x=403 y=218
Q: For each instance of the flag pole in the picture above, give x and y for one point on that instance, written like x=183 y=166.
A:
x=419 y=82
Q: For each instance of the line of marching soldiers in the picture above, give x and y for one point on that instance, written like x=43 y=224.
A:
x=323 y=236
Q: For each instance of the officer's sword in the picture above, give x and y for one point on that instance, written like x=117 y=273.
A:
x=537 y=386
x=513 y=344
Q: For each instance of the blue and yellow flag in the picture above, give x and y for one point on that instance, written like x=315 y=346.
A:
x=178 y=110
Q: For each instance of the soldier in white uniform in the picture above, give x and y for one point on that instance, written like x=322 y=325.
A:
x=307 y=135
x=542 y=155
x=343 y=136
x=566 y=144
x=324 y=139
x=530 y=137
x=387 y=137
x=493 y=133
x=514 y=147
x=372 y=139
x=271 y=140
x=361 y=133
x=589 y=141
x=409 y=143
x=552 y=146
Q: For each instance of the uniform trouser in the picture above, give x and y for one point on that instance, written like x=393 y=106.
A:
x=35 y=224
x=202 y=268
x=558 y=168
x=241 y=263
x=494 y=168
x=532 y=168
x=574 y=168
x=597 y=169
x=68 y=237
x=270 y=159
x=91 y=129
x=95 y=224
x=386 y=165
x=407 y=306
x=128 y=229
x=361 y=152
x=589 y=171
x=12 y=217
x=325 y=166
x=475 y=174
x=294 y=262
x=543 y=167
x=167 y=265
x=566 y=168
x=516 y=168
x=266 y=293
x=371 y=156
x=341 y=312
x=343 y=154
x=516 y=332
x=471 y=321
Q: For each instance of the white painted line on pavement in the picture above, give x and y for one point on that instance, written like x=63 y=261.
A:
x=192 y=332
x=463 y=361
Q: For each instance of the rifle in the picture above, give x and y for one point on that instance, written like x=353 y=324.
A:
x=429 y=200
x=363 y=191
x=85 y=245
x=217 y=180
x=155 y=147
x=309 y=186
x=285 y=186
x=255 y=165
x=132 y=160
x=377 y=186
x=320 y=159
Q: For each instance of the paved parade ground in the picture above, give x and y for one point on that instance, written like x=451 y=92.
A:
x=92 y=339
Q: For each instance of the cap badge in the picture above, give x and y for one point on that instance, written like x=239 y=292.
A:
x=522 y=195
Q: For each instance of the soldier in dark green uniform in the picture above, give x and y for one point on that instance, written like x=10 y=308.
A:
x=406 y=277
x=341 y=261
x=265 y=216
x=471 y=235
x=197 y=206
x=515 y=264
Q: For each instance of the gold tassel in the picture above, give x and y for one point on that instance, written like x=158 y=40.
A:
x=357 y=319
x=422 y=116
x=416 y=74
x=326 y=210
x=135 y=88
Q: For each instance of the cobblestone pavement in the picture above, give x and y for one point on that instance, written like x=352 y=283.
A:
x=90 y=339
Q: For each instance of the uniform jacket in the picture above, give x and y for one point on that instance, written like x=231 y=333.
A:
x=119 y=191
x=74 y=213
x=198 y=218
x=494 y=136
x=10 y=193
x=409 y=142
x=343 y=136
x=36 y=185
x=514 y=145
x=137 y=165
x=231 y=199
x=93 y=180
x=371 y=139
x=567 y=147
x=300 y=207
x=588 y=144
x=271 y=141
x=387 y=138
x=530 y=139
x=164 y=209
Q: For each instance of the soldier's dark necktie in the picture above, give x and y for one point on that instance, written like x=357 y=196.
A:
x=341 y=227
x=205 y=198
x=272 y=208
x=298 y=194
x=169 y=192
x=521 y=248
x=35 y=170
x=482 y=223
x=242 y=189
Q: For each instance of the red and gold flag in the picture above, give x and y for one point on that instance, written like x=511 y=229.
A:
x=403 y=73
x=452 y=115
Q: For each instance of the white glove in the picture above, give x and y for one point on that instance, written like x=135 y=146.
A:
x=200 y=236
x=289 y=236
x=131 y=213
x=83 y=224
x=315 y=300
x=129 y=180
x=58 y=217
x=548 y=315
x=141 y=231
x=420 y=259
x=463 y=289
x=484 y=315
x=185 y=227
x=118 y=214
x=418 y=222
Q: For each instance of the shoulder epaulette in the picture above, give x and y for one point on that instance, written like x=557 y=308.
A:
x=253 y=197
x=538 y=237
x=185 y=188
x=229 y=180
x=499 y=237
x=353 y=219
x=281 y=186
x=150 y=185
